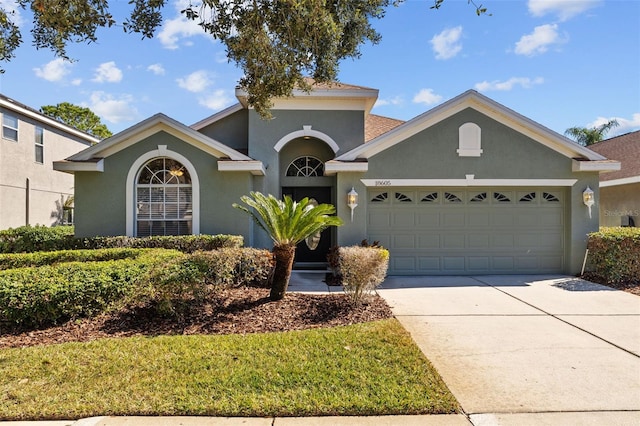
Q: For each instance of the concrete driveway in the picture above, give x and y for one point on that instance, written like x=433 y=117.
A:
x=527 y=349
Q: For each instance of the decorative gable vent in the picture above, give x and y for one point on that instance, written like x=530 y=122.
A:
x=469 y=140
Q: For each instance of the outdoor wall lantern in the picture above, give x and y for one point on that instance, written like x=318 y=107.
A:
x=588 y=198
x=352 y=200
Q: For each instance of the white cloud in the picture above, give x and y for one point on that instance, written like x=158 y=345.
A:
x=54 y=70
x=524 y=82
x=216 y=100
x=625 y=125
x=195 y=82
x=13 y=12
x=426 y=96
x=390 y=101
x=157 y=69
x=173 y=30
x=115 y=110
x=539 y=41
x=76 y=82
x=107 y=72
x=446 y=44
x=563 y=9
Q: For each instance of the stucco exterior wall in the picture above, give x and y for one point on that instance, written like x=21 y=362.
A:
x=102 y=196
x=507 y=154
x=46 y=189
x=231 y=131
x=616 y=203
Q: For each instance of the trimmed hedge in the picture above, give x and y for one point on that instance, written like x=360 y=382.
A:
x=54 y=293
x=28 y=239
x=23 y=260
x=614 y=254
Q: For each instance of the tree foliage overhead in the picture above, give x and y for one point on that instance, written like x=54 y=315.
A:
x=276 y=43
x=588 y=136
x=78 y=117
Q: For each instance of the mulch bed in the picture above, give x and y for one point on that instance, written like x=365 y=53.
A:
x=231 y=311
x=632 y=286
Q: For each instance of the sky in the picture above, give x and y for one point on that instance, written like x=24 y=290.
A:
x=561 y=63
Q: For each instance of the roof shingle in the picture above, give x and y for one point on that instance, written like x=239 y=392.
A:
x=626 y=150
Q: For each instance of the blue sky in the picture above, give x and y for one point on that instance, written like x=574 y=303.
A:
x=561 y=63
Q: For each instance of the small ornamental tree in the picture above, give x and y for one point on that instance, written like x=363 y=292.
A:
x=288 y=223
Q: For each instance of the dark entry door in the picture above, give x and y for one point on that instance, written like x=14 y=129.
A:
x=323 y=196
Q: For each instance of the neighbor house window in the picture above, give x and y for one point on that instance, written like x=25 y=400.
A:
x=163 y=199
x=39 y=145
x=9 y=127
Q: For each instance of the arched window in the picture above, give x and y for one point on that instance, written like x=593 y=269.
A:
x=163 y=198
x=305 y=167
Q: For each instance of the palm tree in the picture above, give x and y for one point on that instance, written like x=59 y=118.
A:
x=287 y=222
x=586 y=137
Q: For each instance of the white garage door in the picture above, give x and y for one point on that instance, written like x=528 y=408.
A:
x=469 y=231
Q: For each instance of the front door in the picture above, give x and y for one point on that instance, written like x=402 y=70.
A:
x=305 y=254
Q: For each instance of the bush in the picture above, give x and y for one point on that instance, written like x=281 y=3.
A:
x=614 y=255
x=173 y=288
x=27 y=239
x=22 y=260
x=362 y=269
x=51 y=294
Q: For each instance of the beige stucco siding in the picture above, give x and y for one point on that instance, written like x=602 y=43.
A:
x=619 y=202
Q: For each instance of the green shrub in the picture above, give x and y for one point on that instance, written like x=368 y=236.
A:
x=51 y=294
x=188 y=280
x=614 y=254
x=362 y=269
x=27 y=239
x=22 y=260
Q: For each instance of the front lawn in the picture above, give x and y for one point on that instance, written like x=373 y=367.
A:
x=371 y=368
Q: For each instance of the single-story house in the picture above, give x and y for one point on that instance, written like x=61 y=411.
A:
x=620 y=190
x=469 y=187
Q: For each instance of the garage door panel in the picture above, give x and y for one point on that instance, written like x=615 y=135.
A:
x=485 y=230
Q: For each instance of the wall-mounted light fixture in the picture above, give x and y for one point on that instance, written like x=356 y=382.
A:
x=352 y=200
x=588 y=199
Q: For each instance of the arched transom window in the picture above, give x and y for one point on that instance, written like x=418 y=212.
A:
x=305 y=167
x=163 y=199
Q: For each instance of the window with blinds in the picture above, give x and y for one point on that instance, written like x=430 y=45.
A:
x=163 y=199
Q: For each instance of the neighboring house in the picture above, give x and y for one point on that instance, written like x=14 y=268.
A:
x=31 y=192
x=620 y=190
x=469 y=187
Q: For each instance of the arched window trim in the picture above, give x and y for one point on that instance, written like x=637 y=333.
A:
x=130 y=192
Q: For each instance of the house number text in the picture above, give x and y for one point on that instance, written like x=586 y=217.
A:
x=383 y=183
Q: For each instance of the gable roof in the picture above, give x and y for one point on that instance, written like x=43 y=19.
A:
x=90 y=158
x=625 y=149
x=27 y=111
x=376 y=125
x=491 y=108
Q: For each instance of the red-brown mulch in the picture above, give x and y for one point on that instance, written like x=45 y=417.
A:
x=632 y=286
x=231 y=311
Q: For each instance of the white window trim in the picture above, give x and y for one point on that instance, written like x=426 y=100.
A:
x=162 y=151
x=9 y=127
x=469 y=140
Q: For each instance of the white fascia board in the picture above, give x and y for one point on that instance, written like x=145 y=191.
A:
x=332 y=167
x=49 y=121
x=617 y=182
x=254 y=166
x=595 y=166
x=151 y=126
x=483 y=104
x=381 y=183
x=79 y=166
x=217 y=116
x=323 y=99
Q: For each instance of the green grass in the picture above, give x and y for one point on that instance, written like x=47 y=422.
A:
x=364 y=369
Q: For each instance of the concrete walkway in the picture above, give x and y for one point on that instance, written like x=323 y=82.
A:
x=514 y=350
x=520 y=350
